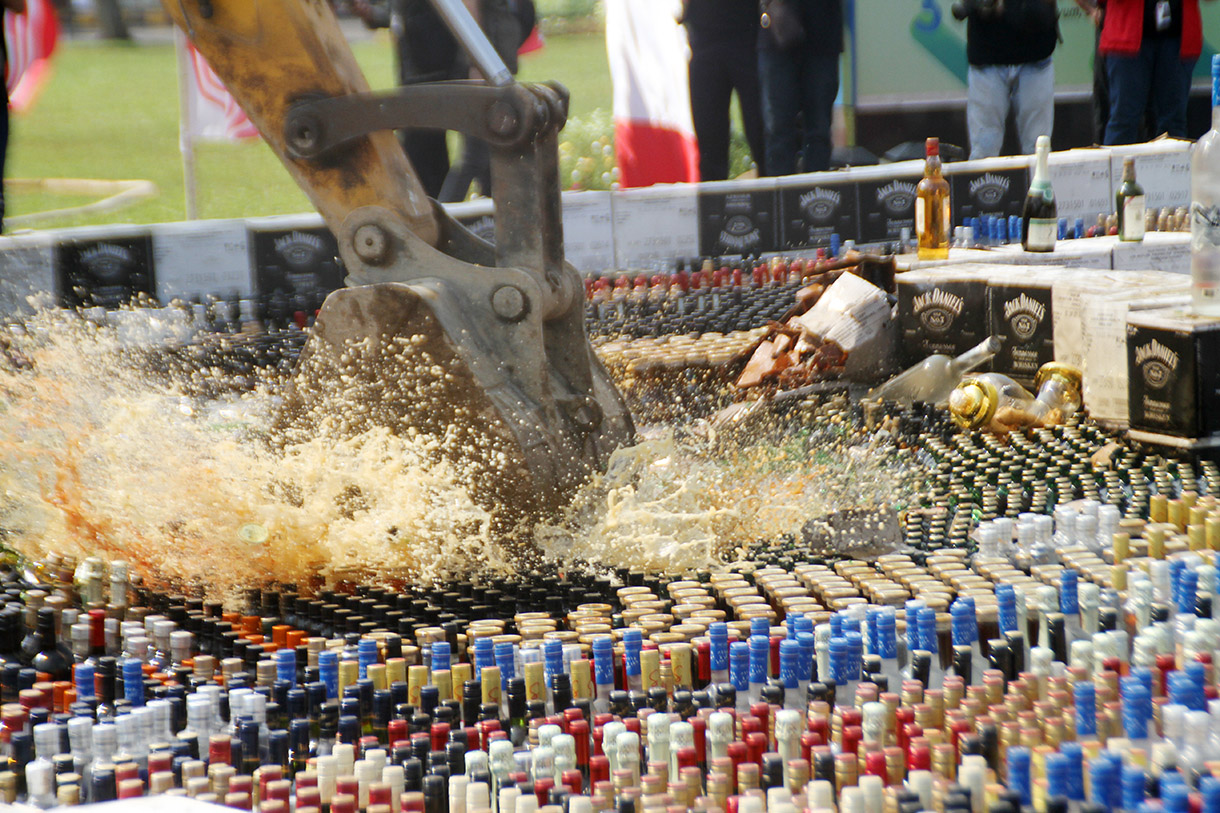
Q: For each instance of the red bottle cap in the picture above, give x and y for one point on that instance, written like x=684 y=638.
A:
x=599 y=768
x=933 y=147
x=346 y=803
x=349 y=785
x=874 y=764
x=238 y=800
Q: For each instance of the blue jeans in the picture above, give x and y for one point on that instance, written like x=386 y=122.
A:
x=1028 y=90
x=1158 y=77
x=798 y=93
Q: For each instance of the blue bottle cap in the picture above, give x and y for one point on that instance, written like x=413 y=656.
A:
x=760 y=658
x=789 y=659
x=739 y=665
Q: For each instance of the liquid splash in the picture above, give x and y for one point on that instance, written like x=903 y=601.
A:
x=107 y=450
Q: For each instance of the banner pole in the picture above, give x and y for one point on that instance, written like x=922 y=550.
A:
x=186 y=143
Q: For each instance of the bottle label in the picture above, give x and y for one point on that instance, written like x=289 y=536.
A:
x=1043 y=232
x=1133 y=218
x=1205 y=224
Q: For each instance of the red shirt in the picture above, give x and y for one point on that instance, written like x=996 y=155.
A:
x=1123 y=31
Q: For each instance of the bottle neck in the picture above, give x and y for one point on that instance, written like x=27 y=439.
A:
x=932 y=167
x=1042 y=172
x=974 y=357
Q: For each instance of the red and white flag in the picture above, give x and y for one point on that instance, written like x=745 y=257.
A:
x=30 y=38
x=212 y=114
x=654 y=137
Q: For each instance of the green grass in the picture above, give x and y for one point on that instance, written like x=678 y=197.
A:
x=111 y=111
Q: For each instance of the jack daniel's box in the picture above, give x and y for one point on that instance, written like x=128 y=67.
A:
x=813 y=207
x=941 y=311
x=1173 y=363
x=104 y=267
x=737 y=218
x=295 y=259
x=993 y=187
x=1020 y=315
x=886 y=196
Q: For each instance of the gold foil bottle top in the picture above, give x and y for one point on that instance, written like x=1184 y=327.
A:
x=1071 y=378
x=973 y=403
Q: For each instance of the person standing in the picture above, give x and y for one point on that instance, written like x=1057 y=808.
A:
x=1009 y=49
x=1150 y=48
x=723 y=59
x=799 y=46
x=9 y=7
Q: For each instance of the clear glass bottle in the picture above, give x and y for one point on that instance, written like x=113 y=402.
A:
x=995 y=401
x=932 y=379
x=1205 y=211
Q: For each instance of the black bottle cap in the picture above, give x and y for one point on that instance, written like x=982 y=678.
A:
x=658 y=699
x=1107 y=619
x=772 y=771
x=773 y=693
x=726 y=695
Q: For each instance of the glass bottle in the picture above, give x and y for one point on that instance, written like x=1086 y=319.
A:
x=1130 y=204
x=1205 y=211
x=932 y=207
x=932 y=379
x=1040 y=214
x=995 y=401
x=53 y=656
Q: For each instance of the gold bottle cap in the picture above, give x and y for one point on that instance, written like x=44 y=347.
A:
x=973 y=403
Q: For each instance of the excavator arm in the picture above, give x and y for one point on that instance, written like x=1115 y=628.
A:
x=480 y=350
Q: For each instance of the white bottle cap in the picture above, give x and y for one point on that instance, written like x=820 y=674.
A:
x=478 y=796
x=527 y=803
x=39 y=776
x=546 y=733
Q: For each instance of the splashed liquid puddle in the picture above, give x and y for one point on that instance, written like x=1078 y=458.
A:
x=104 y=453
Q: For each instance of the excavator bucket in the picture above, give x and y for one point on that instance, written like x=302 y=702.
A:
x=479 y=351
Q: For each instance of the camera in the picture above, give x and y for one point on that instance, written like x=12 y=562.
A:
x=982 y=9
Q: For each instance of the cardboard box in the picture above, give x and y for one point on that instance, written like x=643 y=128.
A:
x=588 y=230
x=656 y=223
x=738 y=218
x=199 y=258
x=1020 y=313
x=294 y=259
x=27 y=274
x=1161 y=251
x=1173 y=363
x=1104 y=338
x=995 y=186
x=886 y=197
x=1081 y=180
x=813 y=207
x=1095 y=252
x=1162 y=167
x=104 y=266
x=942 y=311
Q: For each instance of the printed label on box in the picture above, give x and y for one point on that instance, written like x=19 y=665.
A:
x=659 y=223
x=104 y=272
x=737 y=223
x=997 y=192
x=812 y=213
x=300 y=266
x=205 y=258
x=887 y=206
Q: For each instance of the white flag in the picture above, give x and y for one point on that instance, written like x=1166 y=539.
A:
x=654 y=137
x=212 y=113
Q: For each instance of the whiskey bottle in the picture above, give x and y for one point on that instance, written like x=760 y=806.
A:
x=1129 y=203
x=932 y=208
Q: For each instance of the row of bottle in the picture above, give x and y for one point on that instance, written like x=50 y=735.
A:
x=842 y=730
x=357 y=668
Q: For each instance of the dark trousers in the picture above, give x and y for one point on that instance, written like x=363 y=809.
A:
x=429 y=154
x=1157 y=75
x=475 y=167
x=719 y=66
x=798 y=89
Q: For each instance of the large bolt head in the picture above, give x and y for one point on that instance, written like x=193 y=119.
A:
x=509 y=303
x=371 y=243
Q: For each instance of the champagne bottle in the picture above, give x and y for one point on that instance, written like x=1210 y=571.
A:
x=1040 y=216
x=1130 y=204
x=932 y=379
x=932 y=208
x=1205 y=211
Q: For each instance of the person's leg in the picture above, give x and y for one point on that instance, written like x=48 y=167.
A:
x=1129 y=78
x=429 y=154
x=1101 y=93
x=987 y=96
x=821 y=86
x=457 y=180
x=711 y=90
x=1170 y=88
x=1035 y=103
x=744 y=75
x=781 y=95
x=3 y=149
